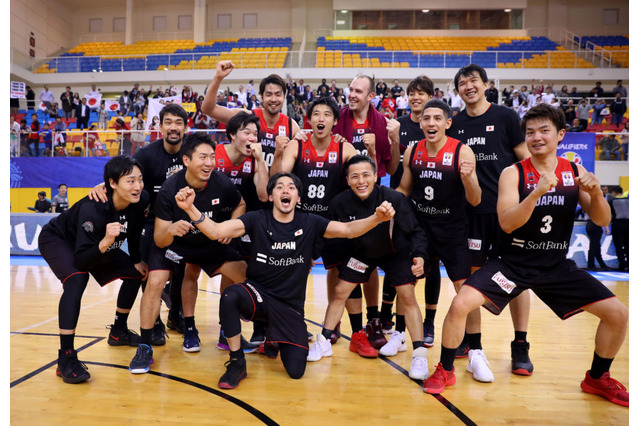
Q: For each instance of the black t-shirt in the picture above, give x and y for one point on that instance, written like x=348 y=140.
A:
x=217 y=201
x=410 y=134
x=84 y=225
x=157 y=166
x=281 y=253
x=492 y=136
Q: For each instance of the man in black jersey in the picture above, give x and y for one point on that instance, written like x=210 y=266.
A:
x=85 y=240
x=276 y=128
x=493 y=133
x=177 y=241
x=537 y=201
x=409 y=133
x=283 y=245
x=399 y=248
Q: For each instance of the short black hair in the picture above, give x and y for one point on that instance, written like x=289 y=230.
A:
x=62 y=185
x=117 y=167
x=273 y=79
x=615 y=188
x=468 y=70
x=359 y=158
x=174 y=109
x=44 y=194
x=273 y=179
x=324 y=100
x=542 y=112
x=240 y=121
x=421 y=83
x=193 y=140
x=437 y=103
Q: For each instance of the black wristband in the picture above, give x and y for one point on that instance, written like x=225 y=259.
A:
x=195 y=222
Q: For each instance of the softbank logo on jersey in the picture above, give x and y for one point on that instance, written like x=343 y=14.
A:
x=503 y=282
x=284 y=261
x=540 y=245
x=262 y=258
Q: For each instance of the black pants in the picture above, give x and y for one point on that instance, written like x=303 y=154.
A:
x=594 y=232
x=620 y=235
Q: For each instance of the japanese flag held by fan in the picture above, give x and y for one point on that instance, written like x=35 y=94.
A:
x=93 y=100
x=42 y=106
x=111 y=105
x=155 y=105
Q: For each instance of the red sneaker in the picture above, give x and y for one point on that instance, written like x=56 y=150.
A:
x=440 y=378
x=607 y=387
x=335 y=335
x=360 y=344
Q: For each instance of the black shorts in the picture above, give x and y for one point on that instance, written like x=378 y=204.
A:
x=566 y=289
x=396 y=267
x=452 y=250
x=59 y=255
x=146 y=241
x=210 y=257
x=285 y=323
x=333 y=252
x=483 y=233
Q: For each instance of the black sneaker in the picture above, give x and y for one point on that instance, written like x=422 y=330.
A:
x=247 y=347
x=520 y=362
x=429 y=333
x=236 y=372
x=176 y=324
x=70 y=369
x=142 y=360
x=122 y=337
x=463 y=350
x=158 y=334
x=387 y=324
x=259 y=333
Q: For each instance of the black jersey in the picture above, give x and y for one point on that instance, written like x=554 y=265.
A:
x=157 y=166
x=217 y=201
x=267 y=136
x=437 y=193
x=321 y=177
x=281 y=253
x=543 y=242
x=241 y=176
x=492 y=136
x=401 y=234
x=84 y=225
x=410 y=134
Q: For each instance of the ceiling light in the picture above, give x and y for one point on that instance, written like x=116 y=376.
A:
x=344 y=11
x=507 y=10
x=425 y=10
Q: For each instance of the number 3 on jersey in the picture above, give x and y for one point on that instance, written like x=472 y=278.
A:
x=316 y=191
x=547 y=224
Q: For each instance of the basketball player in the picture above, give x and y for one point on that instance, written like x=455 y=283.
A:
x=493 y=133
x=283 y=243
x=276 y=129
x=536 y=207
x=440 y=180
x=85 y=240
x=177 y=241
x=399 y=248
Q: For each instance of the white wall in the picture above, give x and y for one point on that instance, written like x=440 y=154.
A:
x=50 y=21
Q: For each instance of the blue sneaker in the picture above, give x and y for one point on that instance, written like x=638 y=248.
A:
x=142 y=360
x=247 y=347
x=191 y=340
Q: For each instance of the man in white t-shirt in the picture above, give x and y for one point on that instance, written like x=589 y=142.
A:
x=402 y=104
x=548 y=97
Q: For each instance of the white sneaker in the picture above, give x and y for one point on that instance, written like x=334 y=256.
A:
x=397 y=343
x=320 y=348
x=479 y=366
x=419 y=365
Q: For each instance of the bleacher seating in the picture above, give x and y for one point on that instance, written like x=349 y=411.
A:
x=618 y=45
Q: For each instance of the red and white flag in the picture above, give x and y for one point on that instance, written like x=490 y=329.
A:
x=42 y=106
x=93 y=100
x=111 y=105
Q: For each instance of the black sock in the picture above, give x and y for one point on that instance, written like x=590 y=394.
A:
x=418 y=344
x=145 y=335
x=447 y=356
x=429 y=314
x=400 y=324
x=158 y=320
x=372 y=312
x=599 y=366
x=190 y=323
x=385 y=311
x=356 y=322
x=326 y=333
x=521 y=336
x=120 y=322
x=239 y=354
x=66 y=341
x=474 y=340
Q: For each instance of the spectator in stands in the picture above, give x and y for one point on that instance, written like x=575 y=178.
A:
x=548 y=97
x=34 y=136
x=381 y=88
x=138 y=135
x=617 y=107
x=574 y=93
x=138 y=105
x=242 y=96
x=76 y=102
x=402 y=104
x=506 y=93
x=254 y=103
x=14 y=137
x=202 y=121
x=61 y=202
x=610 y=146
x=576 y=127
x=340 y=97
x=133 y=94
x=123 y=136
x=89 y=140
x=323 y=85
x=53 y=111
x=515 y=100
x=323 y=92
x=292 y=87
x=624 y=140
x=124 y=101
x=563 y=94
x=103 y=116
x=250 y=89
x=620 y=226
x=334 y=89
x=31 y=98
x=492 y=93
x=59 y=134
x=388 y=105
x=301 y=94
x=396 y=89
x=455 y=100
x=24 y=138
x=94 y=92
x=83 y=113
x=154 y=129
x=597 y=91
x=620 y=89
x=599 y=112
x=569 y=111
x=47 y=137
x=582 y=112
x=523 y=108
x=43 y=205
x=46 y=97
x=66 y=100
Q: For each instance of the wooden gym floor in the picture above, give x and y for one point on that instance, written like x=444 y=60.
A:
x=182 y=387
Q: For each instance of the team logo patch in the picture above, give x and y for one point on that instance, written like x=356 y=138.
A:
x=431 y=165
x=221 y=162
x=87 y=226
x=245 y=238
x=356 y=265
x=282 y=130
x=447 y=159
x=172 y=256
x=215 y=201
x=234 y=173
x=489 y=128
x=530 y=176
x=474 y=244
x=419 y=155
x=298 y=232
x=567 y=179
x=319 y=164
x=269 y=135
x=503 y=282
x=246 y=167
x=333 y=157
